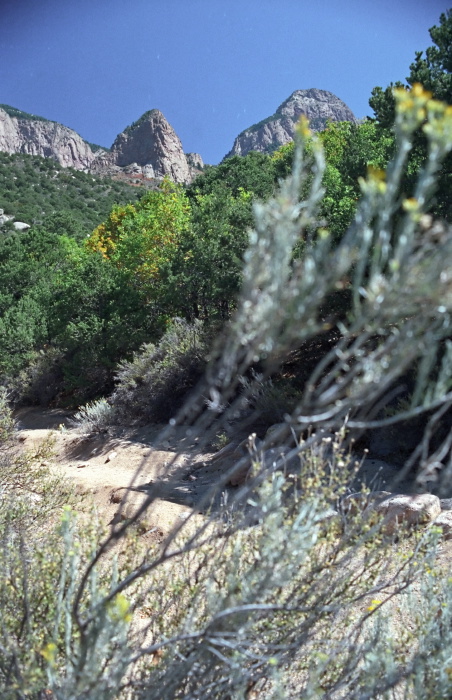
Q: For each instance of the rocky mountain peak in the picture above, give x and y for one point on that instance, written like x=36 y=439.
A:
x=148 y=148
x=319 y=106
x=153 y=146
x=25 y=133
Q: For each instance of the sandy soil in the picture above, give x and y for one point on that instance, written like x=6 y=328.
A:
x=127 y=462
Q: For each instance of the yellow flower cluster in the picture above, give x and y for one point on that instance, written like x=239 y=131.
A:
x=302 y=127
x=120 y=609
x=411 y=107
x=415 y=107
x=375 y=182
x=438 y=128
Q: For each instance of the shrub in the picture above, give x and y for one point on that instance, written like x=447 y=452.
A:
x=94 y=417
x=270 y=400
x=40 y=381
x=6 y=419
x=153 y=385
x=29 y=491
x=41 y=555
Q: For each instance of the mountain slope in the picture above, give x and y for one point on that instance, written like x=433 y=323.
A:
x=149 y=148
x=33 y=188
x=319 y=106
x=24 y=133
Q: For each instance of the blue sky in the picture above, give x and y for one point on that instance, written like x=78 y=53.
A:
x=213 y=67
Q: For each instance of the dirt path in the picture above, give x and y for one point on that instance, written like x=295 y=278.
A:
x=106 y=467
x=132 y=463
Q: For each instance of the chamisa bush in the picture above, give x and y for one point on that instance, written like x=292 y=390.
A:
x=154 y=384
x=275 y=590
x=94 y=417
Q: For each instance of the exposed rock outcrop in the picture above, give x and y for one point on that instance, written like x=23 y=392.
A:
x=319 y=106
x=40 y=137
x=21 y=226
x=152 y=147
x=4 y=218
x=149 y=148
x=195 y=163
x=195 y=160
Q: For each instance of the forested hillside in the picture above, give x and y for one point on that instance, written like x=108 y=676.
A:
x=32 y=188
x=77 y=295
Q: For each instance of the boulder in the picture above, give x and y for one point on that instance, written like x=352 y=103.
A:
x=4 y=217
x=444 y=521
x=409 y=510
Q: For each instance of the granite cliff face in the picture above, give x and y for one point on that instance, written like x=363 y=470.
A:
x=149 y=148
x=152 y=144
x=40 y=137
x=318 y=106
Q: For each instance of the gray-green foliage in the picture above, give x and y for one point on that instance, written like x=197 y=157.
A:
x=94 y=417
x=28 y=490
x=274 y=594
x=41 y=555
x=394 y=260
x=153 y=385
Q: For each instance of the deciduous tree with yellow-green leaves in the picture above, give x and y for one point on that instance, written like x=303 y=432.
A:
x=140 y=238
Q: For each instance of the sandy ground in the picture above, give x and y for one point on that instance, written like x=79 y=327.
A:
x=131 y=463
x=127 y=463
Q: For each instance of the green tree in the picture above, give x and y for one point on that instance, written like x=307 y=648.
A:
x=253 y=172
x=203 y=277
x=96 y=316
x=433 y=70
x=60 y=300
x=141 y=238
x=350 y=151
